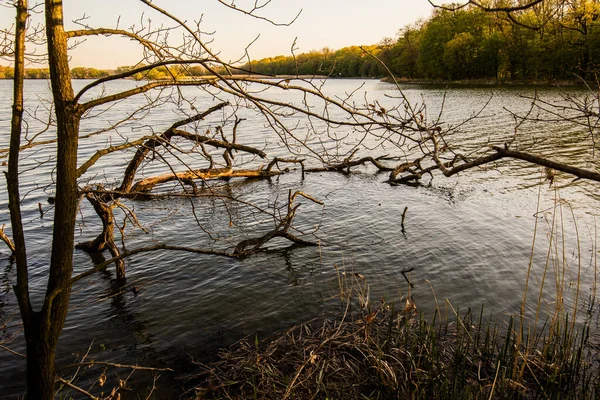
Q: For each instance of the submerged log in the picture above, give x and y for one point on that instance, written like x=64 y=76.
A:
x=146 y=185
x=344 y=166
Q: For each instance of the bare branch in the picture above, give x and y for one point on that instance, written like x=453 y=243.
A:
x=281 y=229
x=76 y=388
x=253 y=12
x=150 y=45
x=134 y=71
x=110 y=364
x=139 y=90
x=505 y=152
x=344 y=166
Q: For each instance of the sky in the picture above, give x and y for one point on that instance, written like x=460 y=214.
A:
x=322 y=23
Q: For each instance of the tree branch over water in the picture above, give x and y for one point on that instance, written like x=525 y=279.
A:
x=253 y=12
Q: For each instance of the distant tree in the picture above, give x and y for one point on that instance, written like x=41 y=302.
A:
x=406 y=52
x=87 y=73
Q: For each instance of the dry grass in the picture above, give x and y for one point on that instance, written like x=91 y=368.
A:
x=385 y=353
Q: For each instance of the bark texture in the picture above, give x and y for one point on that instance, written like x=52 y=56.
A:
x=42 y=328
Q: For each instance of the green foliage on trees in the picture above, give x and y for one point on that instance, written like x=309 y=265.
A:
x=351 y=61
x=451 y=45
x=557 y=40
x=88 y=73
x=6 y=72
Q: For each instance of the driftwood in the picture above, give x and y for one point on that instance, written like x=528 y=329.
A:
x=241 y=250
x=146 y=185
x=105 y=201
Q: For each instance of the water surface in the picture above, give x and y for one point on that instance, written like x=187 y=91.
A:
x=468 y=237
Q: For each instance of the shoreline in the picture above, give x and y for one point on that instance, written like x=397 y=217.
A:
x=466 y=83
x=491 y=82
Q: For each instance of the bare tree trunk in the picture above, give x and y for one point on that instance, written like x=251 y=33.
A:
x=43 y=328
x=40 y=356
x=12 y=177
x=14 y=196
x=40 y=360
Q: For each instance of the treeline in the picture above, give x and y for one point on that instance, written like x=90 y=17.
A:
x=554 y=40
x=163 y=72
x=93 y=73
x=348 y=62
x=44 y=73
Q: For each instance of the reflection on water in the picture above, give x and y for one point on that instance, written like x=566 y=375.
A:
x=470 y=237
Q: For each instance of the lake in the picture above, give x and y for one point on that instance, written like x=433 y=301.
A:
x=468 y=238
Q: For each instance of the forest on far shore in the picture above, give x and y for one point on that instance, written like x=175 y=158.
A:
x=543 y=43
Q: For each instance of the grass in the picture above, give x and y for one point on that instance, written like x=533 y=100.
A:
x=389 y=351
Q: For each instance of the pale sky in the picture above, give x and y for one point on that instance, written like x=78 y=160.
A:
x=322 y=23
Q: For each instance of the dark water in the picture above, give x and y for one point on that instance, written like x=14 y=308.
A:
x=468 y=238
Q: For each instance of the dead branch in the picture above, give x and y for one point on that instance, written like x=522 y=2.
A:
x=201 y=139
x=544 y=162
x=7 y=241
x=277 y=160
x=249 y=246
x=153 y=143
x=76 y=388
x=413 y=171
x=256 y=244
x=252 y=12
x=146 y=185
x=405 y=272
x=16 y=353
x=344 y=166
x=83 y=107
x=134 y=71
x=110 y=364
x=407 y=166
x=148 y=143
x=104 y=203
x=108 y=150
x=150 y=45
x=506 y=152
